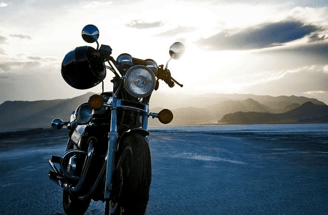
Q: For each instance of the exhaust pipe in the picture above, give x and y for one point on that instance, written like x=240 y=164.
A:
x=58 y=176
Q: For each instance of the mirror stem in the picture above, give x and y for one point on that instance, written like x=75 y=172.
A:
x=167 y=63
x=97 y=44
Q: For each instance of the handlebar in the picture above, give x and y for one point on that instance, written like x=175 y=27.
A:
x=165 y=75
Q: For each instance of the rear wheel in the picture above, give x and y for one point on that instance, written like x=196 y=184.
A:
x=136 y=172
x=73 y=206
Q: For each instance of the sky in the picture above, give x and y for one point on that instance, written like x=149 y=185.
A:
x=259 y=47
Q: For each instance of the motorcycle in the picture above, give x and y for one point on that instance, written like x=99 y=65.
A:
x=107 y=156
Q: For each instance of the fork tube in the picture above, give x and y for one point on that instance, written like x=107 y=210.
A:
x=112 y=145
x=145 y=118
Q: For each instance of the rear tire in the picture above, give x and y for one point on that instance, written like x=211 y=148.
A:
x=73 y=206
x=136 y=175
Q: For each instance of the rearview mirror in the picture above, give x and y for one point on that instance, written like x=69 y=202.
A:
x=57 y=123
x=177 y=50
x=90 y=33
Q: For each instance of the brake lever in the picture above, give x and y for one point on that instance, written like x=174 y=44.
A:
x=181 y=85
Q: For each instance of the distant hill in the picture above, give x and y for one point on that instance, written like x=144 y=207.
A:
x=231 y=106
x=291 y=107
x=37 y=114
x=210 y=115
x=187 y=110
x=306 y=113
x=174 y=101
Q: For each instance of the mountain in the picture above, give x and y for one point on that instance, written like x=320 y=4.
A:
x=291 y=107
x=306 y=113
x=174 y=101
x=187 y=110
x=26 y=114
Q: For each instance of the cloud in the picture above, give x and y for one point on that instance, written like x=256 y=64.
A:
x=44 y=59
x=21 y=36
x=34 y=58
x=312 y=80
x=2 y=39
x=315 y=37
x=3 y=74
x=315 y=92
x=2 y=4
x=266 y=35
x=2 y=51
x=19 y=66
x=144 y=25
x=176 y=31
x=96 y=4
x=325 y=69
x=317 y=52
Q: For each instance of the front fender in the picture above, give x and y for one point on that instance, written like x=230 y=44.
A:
x=140 y=131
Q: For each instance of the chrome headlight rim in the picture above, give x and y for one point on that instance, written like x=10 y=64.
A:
x=131 y=91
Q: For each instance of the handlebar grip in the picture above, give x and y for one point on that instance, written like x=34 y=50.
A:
x=169 y=82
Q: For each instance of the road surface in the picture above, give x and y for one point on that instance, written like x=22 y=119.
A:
x=193 y=173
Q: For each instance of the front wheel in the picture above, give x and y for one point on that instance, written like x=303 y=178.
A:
x=136 y=169
x=73 y=206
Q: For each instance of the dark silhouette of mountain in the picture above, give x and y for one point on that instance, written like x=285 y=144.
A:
x=306 y=113
x=174 y=101
x=291 y=107
x=196 y=116
x=26 y=114
x=187 y=110
x=229 y=106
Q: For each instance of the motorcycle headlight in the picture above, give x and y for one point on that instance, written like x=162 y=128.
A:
x=139 y=81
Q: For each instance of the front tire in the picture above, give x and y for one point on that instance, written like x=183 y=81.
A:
x=136 y=169
x=73 y=206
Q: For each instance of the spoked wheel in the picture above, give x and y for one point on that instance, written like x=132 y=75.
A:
x=136 y=174
x=73 y=206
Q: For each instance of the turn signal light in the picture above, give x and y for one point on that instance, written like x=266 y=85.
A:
x=96 y=101
x=165 y=116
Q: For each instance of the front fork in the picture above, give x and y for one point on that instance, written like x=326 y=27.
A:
x=112 y=146
x=112 y=143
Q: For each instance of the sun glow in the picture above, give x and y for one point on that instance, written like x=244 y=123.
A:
x=197 y=69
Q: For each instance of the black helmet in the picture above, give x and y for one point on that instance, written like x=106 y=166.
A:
x=82 y=70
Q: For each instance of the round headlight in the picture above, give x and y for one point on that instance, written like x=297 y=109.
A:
x=139 y=81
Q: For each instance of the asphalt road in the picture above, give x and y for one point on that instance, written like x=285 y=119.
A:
x=193 y=173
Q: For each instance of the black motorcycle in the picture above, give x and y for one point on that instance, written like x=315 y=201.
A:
x=107 y=157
